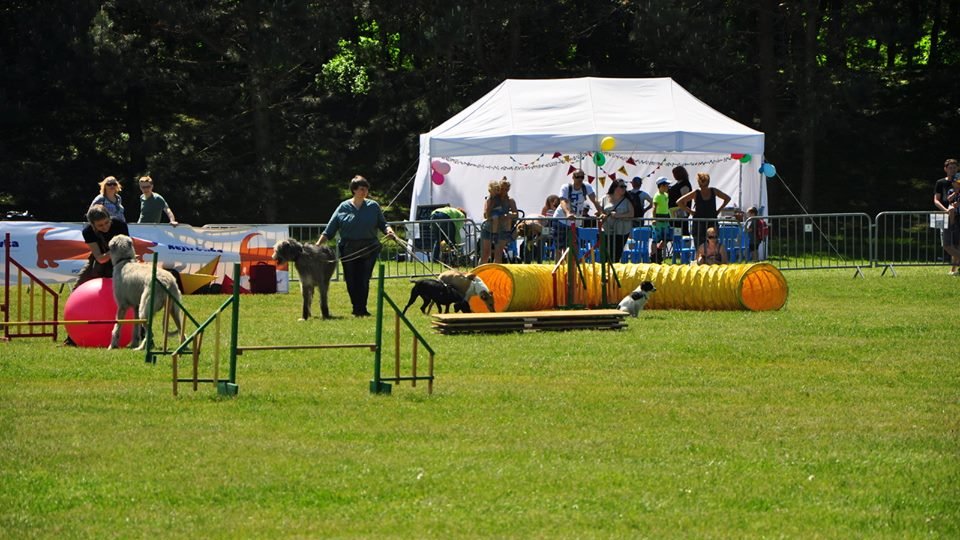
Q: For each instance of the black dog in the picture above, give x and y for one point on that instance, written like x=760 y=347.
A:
x=434 y=291
x=315 y=265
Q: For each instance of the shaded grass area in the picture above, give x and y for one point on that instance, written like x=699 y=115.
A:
x=834 y=417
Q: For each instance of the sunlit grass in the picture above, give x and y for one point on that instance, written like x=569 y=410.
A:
x=834 y=417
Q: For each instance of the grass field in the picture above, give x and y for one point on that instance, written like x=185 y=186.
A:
x=836 y=417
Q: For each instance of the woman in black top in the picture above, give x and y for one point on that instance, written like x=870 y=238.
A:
x=705 y=209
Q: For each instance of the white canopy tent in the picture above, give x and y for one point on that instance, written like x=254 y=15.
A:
x=535 y=132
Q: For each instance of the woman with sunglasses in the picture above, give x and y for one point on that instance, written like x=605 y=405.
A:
x=109 y=198
x=712 y=251
x=617 y=219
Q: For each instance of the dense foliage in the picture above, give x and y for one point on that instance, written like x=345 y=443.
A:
x=259 y=111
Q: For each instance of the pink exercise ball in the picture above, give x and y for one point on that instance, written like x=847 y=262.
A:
x=93 y=300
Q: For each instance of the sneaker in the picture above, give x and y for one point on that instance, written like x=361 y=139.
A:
x=952 y=273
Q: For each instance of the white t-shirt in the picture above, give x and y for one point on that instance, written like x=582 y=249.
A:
x=578 y=198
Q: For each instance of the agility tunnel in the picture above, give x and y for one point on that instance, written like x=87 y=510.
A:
x=532 y=287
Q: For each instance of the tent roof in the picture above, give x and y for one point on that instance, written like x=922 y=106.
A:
x=574 y=115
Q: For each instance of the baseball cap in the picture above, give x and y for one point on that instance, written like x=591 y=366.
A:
x=662 y=180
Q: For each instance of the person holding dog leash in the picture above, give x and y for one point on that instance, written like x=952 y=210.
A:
x=357 y=219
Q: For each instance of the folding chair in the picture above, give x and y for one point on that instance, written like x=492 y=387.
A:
x=683 y=249
x=638 y=246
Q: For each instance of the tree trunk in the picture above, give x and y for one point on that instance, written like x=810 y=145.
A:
x=768 y=66
x=263 y=169
x=134 y=120
x=934 y=58
x=809 y=136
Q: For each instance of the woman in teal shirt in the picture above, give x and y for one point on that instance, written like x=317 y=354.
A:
x=358 y=219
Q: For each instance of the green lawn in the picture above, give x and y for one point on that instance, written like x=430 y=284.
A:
x=835 y=417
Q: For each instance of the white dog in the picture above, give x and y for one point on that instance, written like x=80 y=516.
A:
x=131 y=289
x=635 y=301
x=469 y=286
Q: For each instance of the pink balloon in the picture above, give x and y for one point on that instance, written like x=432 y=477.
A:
x=441 y=167
x=437 y=178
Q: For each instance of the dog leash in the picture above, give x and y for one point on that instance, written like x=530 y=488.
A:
x=412 y=255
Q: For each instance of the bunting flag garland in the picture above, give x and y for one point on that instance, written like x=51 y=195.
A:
x=589 y=179
x=570 y=170
x=529 y=164
x=559 y=159
x=602 y=180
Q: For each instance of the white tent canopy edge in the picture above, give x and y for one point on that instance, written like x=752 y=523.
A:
x=534 y=131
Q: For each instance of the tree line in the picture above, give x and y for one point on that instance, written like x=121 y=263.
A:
x=259 y=111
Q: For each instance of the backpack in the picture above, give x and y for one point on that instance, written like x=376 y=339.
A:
x=763 y=230
x=637 y=203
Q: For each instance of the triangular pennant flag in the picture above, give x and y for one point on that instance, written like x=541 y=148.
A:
x=613 y=176
x=571 y=169
x=556 y=155
x=566 y=158
x=602 y=180
x=622 y=170
x=590 y=179
x=631 y=161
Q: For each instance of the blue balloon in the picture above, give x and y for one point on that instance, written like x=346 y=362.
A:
x=768 y=170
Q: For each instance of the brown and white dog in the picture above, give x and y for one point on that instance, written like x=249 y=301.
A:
x=469 y=285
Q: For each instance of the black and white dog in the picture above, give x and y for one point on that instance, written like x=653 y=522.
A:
x=315 y=266
x=434 y=291
x=635 y=301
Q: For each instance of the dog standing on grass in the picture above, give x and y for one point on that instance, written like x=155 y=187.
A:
x=469 y=285
x=435 y=292
x=131 y=289
x=315 y=265
x=635 y=301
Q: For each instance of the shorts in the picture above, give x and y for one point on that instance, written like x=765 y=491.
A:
x=951 y=235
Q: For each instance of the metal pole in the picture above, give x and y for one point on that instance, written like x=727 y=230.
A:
x=148 y=336
x=230 y=387
x=376 y=385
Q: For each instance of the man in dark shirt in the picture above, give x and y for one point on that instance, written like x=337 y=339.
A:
x=951 y=235
x=101 y=229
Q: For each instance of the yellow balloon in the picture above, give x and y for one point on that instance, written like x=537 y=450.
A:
x=607 y=144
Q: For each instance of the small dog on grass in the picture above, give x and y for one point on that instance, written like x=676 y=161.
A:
x=434 y=291
x=131 y=289
x=469 y=286
x=635 y=301
x=315 y=265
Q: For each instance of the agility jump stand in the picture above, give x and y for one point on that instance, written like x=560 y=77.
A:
x=195 y=340
x=571 y=257
x=378 y=385
x=41 y=327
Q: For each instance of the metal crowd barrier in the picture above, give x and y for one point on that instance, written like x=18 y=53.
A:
x=795 y=242
x=812 y=241
x=909 y=239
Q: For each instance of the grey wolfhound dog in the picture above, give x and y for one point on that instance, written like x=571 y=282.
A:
x=131 y=289
x=315 y=266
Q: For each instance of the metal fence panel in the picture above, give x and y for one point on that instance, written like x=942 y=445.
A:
x=808 y=241
x=910 y=239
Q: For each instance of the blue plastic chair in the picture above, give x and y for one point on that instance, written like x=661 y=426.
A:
x=587 y=239
x=683 y=249
x=732 y=239
x=638 y=247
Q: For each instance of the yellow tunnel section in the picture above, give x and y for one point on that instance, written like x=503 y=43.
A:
x=534 y=287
